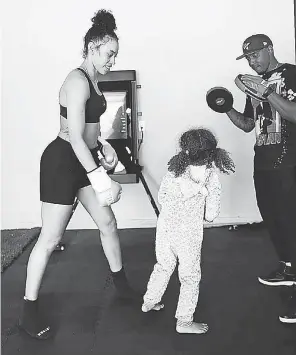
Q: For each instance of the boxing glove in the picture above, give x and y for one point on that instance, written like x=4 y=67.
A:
x=107 y=155
x=107 y=190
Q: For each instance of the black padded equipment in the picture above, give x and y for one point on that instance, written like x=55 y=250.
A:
x=219 y=99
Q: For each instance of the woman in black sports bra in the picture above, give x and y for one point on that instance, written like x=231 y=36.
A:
x=70 y=166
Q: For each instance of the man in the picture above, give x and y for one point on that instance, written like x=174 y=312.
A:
x=274 y=121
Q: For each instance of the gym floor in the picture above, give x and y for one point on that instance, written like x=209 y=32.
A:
x=79 y=297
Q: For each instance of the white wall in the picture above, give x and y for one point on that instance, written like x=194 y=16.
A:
x=179 y=50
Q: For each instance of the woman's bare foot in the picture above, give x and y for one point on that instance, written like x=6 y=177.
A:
x=156 y=307
x=193 y=328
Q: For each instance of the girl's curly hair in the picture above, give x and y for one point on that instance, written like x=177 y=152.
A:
x=199 y=147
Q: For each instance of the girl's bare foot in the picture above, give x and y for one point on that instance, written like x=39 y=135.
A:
x=155 y=307
x=193 y=328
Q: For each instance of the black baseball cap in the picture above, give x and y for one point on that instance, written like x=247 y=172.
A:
x=255 y=43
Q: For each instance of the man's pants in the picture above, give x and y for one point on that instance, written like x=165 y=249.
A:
x=276 y=199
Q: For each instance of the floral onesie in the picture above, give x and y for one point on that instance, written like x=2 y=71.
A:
x=186 y=201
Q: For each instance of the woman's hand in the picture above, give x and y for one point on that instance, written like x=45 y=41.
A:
x=109 y=160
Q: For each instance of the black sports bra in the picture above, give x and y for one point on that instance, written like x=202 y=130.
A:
x=95 y=106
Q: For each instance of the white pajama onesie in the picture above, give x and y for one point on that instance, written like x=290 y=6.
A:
x=186 y=201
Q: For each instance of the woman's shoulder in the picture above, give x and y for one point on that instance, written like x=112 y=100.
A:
x=76 y=80
x=76 y=75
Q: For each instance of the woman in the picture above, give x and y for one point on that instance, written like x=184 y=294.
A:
x=76 y=164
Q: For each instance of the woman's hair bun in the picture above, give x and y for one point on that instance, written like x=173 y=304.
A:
x=105 y=21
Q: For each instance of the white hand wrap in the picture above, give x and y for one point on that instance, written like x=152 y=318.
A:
x=99 y=180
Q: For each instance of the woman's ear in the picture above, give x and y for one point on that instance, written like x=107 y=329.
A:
x=91 y=47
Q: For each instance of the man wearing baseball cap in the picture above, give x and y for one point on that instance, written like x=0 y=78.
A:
x=273 y=116
x=254 y=44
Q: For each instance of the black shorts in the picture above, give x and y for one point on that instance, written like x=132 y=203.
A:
x=61 y=173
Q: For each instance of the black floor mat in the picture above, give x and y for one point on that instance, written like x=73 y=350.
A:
x=79 y=297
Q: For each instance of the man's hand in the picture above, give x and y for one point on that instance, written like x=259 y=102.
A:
x=256 y=83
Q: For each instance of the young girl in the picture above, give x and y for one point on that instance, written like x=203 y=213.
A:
x=189 y=194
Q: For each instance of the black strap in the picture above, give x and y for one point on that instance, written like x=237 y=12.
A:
x=87 y=77
x=88 y=172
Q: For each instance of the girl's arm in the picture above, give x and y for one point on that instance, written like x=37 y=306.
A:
x=183 y=187
x=213 y=199
x=194 y=183
x=166 y=190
